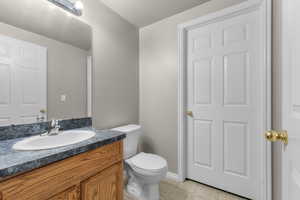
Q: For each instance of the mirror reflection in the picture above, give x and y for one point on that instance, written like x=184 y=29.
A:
x=43 y=68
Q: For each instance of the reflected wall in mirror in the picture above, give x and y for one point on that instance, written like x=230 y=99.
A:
x=44 y=68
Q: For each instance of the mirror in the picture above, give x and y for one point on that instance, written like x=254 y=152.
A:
x=45 y=63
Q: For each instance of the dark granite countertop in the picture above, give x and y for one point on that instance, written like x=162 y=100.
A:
x=14 y=162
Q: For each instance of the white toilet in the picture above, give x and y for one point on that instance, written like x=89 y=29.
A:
x=144 y=170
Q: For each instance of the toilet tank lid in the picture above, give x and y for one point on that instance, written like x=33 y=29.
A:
x=128 y=128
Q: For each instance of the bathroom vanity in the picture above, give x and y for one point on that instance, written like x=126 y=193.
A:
x=97 y=174
x=89 y=170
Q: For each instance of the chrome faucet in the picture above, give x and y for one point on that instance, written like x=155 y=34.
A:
x=53 y=128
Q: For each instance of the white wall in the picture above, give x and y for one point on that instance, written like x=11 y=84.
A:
x=158 y=80
x=43 y=18
x=115 y=60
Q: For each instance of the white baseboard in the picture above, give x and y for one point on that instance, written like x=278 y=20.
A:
x=172 y=176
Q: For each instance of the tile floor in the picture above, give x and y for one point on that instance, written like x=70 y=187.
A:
x=189 y=190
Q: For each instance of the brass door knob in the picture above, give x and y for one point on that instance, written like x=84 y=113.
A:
x=190 y=113
x=274 y=136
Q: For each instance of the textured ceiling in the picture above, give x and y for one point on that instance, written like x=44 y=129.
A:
x=144 y=12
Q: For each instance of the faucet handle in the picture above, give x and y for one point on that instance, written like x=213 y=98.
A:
x=54 y=122
x=57 y=123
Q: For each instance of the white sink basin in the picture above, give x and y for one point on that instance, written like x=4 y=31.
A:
x=48 y=142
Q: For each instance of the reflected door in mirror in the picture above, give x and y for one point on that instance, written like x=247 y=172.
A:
x=23 y=81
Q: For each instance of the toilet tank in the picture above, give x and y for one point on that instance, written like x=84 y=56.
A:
x=133 y=133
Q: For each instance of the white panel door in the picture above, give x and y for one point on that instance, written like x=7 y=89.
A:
x=6 y=83
x=291 y=98
x=23 y=81
x=225 y=85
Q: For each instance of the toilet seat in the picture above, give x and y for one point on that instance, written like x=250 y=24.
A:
x=147 y=164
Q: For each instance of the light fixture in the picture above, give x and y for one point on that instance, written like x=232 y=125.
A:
x=73 y=6
x=78 y=5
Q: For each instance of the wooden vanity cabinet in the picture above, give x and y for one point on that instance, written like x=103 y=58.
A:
x=72 y=193
x=105 y=185
x=94 y=175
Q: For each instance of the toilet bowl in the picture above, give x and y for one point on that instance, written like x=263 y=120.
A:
x=144 y=171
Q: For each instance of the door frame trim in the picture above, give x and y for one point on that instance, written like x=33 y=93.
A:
x=89 y=86
x=265 y=8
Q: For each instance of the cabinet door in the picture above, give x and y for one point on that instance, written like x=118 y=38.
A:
x=72 y=193
x=107 y=185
